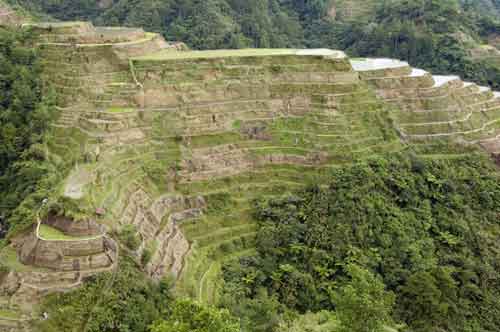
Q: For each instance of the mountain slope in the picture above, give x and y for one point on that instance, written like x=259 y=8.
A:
x=12 y=15
x=441 y=36
x=160 y=151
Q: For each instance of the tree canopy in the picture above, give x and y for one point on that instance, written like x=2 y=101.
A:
x=188 y=316
x=395 y=240
x=25 y=114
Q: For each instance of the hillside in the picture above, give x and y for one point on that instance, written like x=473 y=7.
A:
x=445 y=37
x=159 y=152
x=12 y=15
x=486 y=7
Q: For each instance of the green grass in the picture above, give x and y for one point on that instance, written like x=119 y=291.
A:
x=9 y=314
x=203 y=141
x=168 y=55
x=202 y=258
x=315 y=322
x=47 y=25
x=9 y=259
x=249 y=52
x=50 y=233
x=119 y=110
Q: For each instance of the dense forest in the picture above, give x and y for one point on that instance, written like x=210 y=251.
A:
x=396 y=241
x=25 y=113
x=436 y=35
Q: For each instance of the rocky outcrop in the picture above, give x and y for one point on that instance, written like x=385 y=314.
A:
x=158 y=223
x=229 y=160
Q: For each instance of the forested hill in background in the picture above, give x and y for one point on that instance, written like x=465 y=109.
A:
x=487 y=7
x=445 y=36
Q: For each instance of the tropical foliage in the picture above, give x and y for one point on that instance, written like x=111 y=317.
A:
x=188 y=316
x=398 y=239
x=128 y=301
x=25 y=114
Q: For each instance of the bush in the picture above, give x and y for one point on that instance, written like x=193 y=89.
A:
x=130 y=237
x=146 y=256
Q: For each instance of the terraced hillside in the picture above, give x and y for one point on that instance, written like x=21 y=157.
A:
x=486 y=52
x=430 y=107
x=176 y=144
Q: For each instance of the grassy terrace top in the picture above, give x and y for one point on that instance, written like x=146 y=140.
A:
x=53 y=234
x=376 y=64
x=48 y=25
x=261 y=52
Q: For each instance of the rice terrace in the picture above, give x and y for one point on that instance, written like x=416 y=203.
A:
x=179 y=163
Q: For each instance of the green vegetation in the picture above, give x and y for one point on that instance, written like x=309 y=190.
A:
x=187 y=316
x=437 y=35
x=485 y=7
x=130 y=237
x=212 y=24
x=362 y=303
x=25 y=114
x=127 y=300
x=167 y=55
x=363 y=237
x=10 y=261
x=393 y=240
x=119 y=109
x=322 y=321
x=9 y=314
x=50 y=233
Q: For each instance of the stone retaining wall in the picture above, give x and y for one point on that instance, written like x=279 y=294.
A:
x=70 y=227
x=149 y=43
x=77 y=71
x=62 y=28
x=84 y=33
x=64 y=255
x=386 y=72
x=402 y=82
x=404 y=92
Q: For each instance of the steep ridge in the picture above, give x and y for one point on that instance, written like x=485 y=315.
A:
x=177 y=144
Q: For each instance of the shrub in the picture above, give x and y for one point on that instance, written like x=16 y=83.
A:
x=130 y=237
